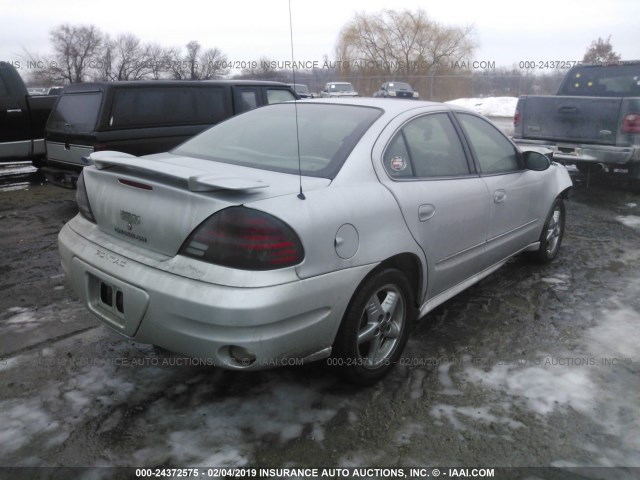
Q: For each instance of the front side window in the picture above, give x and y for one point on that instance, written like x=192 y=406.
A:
x=426 y=147
x=494 y=152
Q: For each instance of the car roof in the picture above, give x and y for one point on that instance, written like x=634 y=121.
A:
x=102 y=86
x=390 y=106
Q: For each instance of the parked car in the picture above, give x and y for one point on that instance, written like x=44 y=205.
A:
x=593 y=121
x=338 y=90
x=301 y=89
x=143 y=117
x=22 y=117
x=250 y=249
x=396 y=90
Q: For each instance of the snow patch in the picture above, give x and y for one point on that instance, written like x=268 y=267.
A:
x=21 y=420
x=631 y=221
x=542 y=388
x=489 y=106
x=481 y=415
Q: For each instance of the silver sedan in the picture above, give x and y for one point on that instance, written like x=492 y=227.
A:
x=308 y=230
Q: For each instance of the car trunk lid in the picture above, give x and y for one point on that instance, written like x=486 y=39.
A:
x=155 y=202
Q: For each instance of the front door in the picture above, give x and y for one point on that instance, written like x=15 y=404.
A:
x=515 y=208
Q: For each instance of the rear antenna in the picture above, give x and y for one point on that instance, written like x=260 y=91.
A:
x=295 y=104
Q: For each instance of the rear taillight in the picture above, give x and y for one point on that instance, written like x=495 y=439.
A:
x=516 y=118
x=83 y=199
x=631 y=123
x=246 y=239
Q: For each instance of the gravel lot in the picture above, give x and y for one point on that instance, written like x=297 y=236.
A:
x=533 y=366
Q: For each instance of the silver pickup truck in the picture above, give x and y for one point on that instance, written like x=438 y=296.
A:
x=22 y=117
x=593 y=121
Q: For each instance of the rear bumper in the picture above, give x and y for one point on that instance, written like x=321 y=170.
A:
x=588 y=153
x=279 y=323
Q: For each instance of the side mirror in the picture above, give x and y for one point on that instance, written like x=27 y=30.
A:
x=536 y=161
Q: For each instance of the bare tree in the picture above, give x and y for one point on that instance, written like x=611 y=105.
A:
x=398 y=44
x=157 y=58
x=198 y=64
x=601 y=51
x=124 y=58
x=76 y=52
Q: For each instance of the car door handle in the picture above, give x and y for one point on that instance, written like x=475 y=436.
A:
x=425 y=212
x=499 y=196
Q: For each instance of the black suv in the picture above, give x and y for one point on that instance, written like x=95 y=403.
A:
x=143 y=117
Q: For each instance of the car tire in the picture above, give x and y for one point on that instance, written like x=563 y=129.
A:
x=375 y=327
x=552 y=233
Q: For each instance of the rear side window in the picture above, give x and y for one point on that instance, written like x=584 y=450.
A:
x=246 y=99
x=279 y=95
x=167 y=106
x=76 y=113
x=426 y=147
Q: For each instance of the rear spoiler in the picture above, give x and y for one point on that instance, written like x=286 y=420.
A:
x=197 y=180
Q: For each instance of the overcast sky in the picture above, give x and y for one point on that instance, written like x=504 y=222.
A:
x=507 y=31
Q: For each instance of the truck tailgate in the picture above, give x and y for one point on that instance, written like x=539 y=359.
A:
x=571 y=119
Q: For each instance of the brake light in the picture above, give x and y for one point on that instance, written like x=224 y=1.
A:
x=246 y=239
x=631 y=123
x=516 y=118
x=83 y=199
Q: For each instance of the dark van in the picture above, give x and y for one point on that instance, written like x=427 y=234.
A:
x=143 y=117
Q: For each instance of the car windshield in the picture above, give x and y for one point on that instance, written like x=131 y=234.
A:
x=340 y=87
x=266 y=138
x=399 y=86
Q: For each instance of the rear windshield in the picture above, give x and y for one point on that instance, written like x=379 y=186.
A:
x=266 y=138
x=605 y=81
x=157 y=106
x=76 y=113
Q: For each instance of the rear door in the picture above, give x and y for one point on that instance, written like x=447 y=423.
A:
x=71 y=127
x=445 y=204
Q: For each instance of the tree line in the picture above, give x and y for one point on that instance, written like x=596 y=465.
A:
x=371 y=48
x=84 y=53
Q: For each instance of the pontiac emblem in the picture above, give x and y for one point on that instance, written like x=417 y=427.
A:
x=131 y=219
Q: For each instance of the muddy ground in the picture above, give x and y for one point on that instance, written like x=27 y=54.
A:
x=535 y=366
